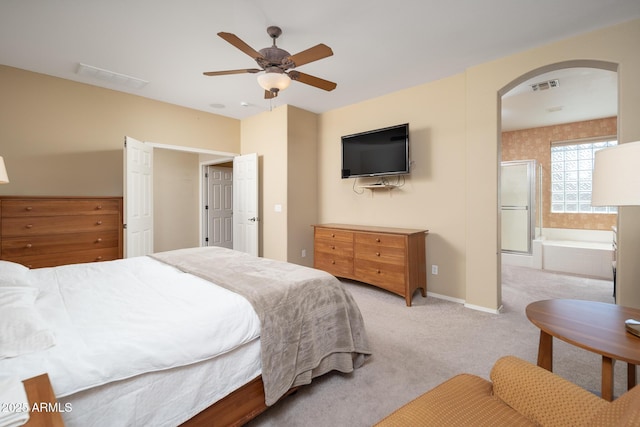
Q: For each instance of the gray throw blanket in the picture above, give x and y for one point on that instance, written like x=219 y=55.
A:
x=310 y=324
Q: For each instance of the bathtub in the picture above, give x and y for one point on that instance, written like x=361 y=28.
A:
x=583 y=252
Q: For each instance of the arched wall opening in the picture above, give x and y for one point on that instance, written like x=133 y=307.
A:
x=595 y=64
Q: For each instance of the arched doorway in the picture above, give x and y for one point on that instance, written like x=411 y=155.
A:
x=534 y=101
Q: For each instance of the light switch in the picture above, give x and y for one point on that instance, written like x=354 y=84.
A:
x=277 y=208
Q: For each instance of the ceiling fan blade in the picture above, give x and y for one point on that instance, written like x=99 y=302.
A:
x=312 y=80
x=270 y=95
x=312 y=54
x=235 y=40
x=222 y=73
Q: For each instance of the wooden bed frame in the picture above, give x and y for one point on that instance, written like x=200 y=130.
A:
x=236 y=409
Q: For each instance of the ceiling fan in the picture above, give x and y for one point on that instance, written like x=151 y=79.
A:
x=278 y=64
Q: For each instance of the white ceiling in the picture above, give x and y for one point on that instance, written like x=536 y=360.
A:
x=379 y=47
x=581 y=94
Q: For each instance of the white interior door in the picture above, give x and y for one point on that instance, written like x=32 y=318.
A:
x=245 y=204
x=219 y=206
x=138 y=198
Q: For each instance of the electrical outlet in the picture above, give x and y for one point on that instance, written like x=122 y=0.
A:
x=304 y=253
x=434 y=270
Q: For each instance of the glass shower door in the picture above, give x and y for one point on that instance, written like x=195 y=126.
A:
x=517 y=205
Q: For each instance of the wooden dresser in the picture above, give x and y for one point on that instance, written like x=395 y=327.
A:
x=390 y=258
x=49 y=231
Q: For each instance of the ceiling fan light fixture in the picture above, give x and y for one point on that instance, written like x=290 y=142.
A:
x=274 y=81
x=276 y=64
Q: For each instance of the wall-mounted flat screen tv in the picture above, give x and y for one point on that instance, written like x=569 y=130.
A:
x=376 y=153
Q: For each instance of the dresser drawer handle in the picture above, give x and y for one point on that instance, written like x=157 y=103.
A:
x=377 y=253
x=333 y=235
x=333 y=261
x=99 y=240
x=29 y=225
x=99 y=223
x=99 y=207
x=28 y=208
x=99 y=258
x=378 y=271
x=333 y=247
x=378 y=240
x=28 y=246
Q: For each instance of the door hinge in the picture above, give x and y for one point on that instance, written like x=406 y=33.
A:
x=206 y=239
x=206 y=207
x=124 y=225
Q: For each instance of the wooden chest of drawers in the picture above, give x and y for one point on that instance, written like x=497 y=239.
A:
x=49 y=231
x=390 y=258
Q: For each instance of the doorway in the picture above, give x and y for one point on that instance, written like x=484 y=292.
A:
x=177 y=195
x=230 y=203
x=218 y=205
x=550 y=97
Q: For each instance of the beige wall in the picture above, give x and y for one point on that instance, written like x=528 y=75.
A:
x=285 y=140
x=266 y=135
x=175 y=205
x=59 y=137
x=64 y=138
x=455 y=139
x=433 y=195
x=302 y=184
x=616 y=45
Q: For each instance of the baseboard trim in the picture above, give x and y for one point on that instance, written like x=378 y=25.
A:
x=445 y=297
x=484 y=309
x=461 y=301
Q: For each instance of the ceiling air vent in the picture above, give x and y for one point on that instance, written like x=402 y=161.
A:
x=549 y=84
x=110 y=76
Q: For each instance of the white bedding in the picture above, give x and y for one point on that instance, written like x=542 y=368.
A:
x=165 y=398
x=115 y=320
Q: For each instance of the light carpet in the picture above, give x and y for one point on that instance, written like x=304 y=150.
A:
x=416 y=348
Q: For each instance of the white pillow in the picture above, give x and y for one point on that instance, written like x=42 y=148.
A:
x=13 y=274
x=22 y=329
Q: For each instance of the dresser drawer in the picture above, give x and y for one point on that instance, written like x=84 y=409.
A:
x=379 y=253
x=38 y=245
x=334 y=235
x=13 y=227
x=54 y=259
x=380 y=239
x=334 y=248
x=389 y=276
x=48 y=207
x=339 y=266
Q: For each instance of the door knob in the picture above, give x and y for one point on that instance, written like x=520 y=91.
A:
x=254 y=219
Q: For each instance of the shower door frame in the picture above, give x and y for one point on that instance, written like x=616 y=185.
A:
x=531 y=209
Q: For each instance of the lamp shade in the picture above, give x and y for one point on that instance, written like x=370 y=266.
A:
x=616 y=176
x=273 y=81
x=4 y=178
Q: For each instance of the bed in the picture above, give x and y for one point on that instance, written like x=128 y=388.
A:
x=202 y=336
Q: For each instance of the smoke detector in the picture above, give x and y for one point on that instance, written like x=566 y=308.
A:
x=549 y=84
